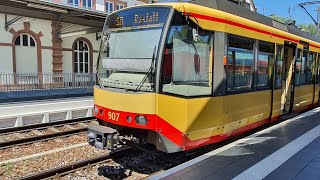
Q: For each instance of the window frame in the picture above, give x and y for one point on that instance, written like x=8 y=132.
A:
x=254 y=51
x=276 y=60
x=269 y=65
x=85 y=4
x=76 y=58
x=305 y=66
x=210 y=63
x=73 y=3
x=299 y=54
x=317 y=69
x=29 y=38
x=308 y=80
x=120 y=5
x=107 y=5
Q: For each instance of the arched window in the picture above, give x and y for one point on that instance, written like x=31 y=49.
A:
x=25 y=40
x=81 y=57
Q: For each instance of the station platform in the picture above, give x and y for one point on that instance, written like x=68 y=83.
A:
x=15 y=114
x=288 y=150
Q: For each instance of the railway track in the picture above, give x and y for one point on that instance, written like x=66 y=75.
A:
x=72 y=167
x=40 y=132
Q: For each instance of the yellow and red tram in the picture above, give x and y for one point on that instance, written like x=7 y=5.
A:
x=188 y=74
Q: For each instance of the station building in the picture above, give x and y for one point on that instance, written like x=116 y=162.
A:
x=49 y=44
x=54 y=36
x=47 y=37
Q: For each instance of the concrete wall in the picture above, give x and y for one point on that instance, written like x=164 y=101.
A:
x=26 y=57
x=132 y=3
x=6 y=59
x=5 y=50
x=100 y=5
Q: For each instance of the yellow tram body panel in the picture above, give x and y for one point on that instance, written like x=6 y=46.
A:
x=138 y=103
x=303 y=97
x=316 y=96
x=276 y=107
x=197 y=118
x=206 y=117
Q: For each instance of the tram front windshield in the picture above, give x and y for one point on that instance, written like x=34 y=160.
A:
x=129 y=46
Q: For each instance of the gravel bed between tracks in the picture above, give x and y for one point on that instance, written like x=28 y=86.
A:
x=12 y=171
x=135 y=165
x=14 y=136
x=44 y=130
x=42 y=146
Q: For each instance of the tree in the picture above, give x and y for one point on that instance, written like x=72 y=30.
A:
x=280 y=19
x=310 y=28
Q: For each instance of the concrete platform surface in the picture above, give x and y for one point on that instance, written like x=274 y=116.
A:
x=288 y=150
x=16 y=114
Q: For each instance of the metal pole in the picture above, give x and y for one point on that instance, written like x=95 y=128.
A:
x=318 y=17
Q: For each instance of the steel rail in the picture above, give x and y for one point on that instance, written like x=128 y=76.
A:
x=66 y=168
x=28 y=140
x=72 y=167
x=43 y=125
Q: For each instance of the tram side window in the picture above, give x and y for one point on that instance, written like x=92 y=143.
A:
x=309 y=68
x=279 y=67
x=318 y=69
x=303 y=74
x=240 y=64
x=298 y=70
x=186 y=69
x=265 y=57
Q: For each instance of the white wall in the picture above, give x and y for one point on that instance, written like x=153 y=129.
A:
x=26 y=59
x=6 y=59
x=100 y=5
x=25 y=55
x=47 y=59
x=5 y=51
x=132 y=2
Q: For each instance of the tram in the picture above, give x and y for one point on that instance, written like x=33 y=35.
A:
x=183 y=75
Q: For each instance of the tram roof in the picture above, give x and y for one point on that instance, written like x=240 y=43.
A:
x=232 y=8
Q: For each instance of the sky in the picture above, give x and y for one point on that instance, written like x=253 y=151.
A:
x=281 y=8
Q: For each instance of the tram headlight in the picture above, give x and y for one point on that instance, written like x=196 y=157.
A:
x=101 y=112
x=141 y=120
x=96 y=110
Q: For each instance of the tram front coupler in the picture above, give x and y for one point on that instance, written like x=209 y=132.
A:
x=103 y=137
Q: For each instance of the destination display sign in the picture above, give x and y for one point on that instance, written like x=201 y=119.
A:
x=138 y=17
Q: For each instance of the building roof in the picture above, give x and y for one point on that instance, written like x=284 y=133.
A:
x=53 y=11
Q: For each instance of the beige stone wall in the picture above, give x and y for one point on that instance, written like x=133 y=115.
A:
x=27 y=57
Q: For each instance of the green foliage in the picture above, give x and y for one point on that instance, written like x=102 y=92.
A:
x=280 y=19
x=310 y=28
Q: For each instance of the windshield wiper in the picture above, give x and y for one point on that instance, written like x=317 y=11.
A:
x=150 y=71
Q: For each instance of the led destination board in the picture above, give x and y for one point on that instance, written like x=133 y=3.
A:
x=138 y=17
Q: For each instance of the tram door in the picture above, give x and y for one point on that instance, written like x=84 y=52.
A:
x=288 y=79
